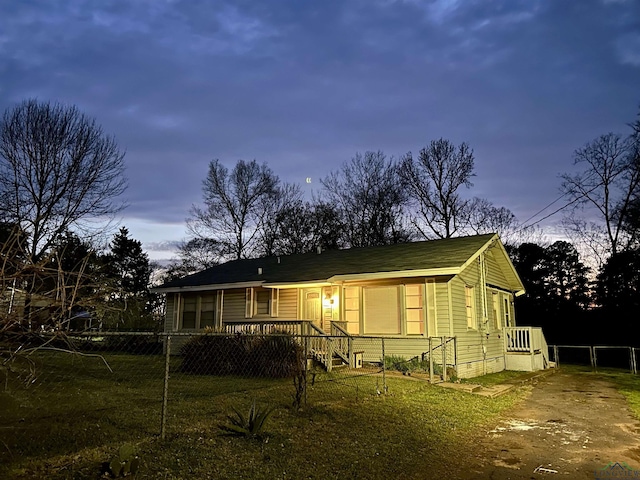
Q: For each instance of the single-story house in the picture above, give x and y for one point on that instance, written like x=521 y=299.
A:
x=457 y=293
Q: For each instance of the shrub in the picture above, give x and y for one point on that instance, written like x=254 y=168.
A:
x=271 y=356
x=415 y=364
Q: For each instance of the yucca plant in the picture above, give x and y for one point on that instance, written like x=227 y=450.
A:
x=250 y=425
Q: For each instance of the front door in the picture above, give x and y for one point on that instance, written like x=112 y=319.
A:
x=313 y=306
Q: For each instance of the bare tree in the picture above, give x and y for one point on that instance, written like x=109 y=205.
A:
x=370 y=200
x=57 y=170
x=284 y=205
x=484 y=217
x=302 y=227
x=235 y=206
x=433 y=181
x=607 y=184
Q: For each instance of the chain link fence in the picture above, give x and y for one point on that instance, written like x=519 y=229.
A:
x=597 y=356
x=60 y=393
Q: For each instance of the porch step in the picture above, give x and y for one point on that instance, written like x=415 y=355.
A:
x=490 y=392
x=337 y=362
x=464 y=387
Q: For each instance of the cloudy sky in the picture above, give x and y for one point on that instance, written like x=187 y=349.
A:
x=305 y=84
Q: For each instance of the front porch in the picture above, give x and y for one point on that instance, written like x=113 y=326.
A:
x=526 y=349
x=338 y=348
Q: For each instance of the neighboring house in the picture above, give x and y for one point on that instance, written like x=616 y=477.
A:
x=12 y=307
x=459 y=292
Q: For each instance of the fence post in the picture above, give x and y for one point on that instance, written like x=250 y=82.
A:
x=306 y=367
x=430 y=361
x=384 y=370
x=555 y=356
x=632 y=360
x=592 y=357
x=165 y=393
x=443 y=343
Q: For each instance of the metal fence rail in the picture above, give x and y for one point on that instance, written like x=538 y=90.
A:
x=598 y=355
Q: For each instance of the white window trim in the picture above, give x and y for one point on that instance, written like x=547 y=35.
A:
x=217 y=315
x=507 y=313
x=250 y=305
x=470 y=307
x=423 y=309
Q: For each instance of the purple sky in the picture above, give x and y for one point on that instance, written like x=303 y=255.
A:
x=303 y=85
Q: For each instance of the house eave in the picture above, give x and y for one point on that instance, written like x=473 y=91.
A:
x=429 y=272
x=309 y=284
x=209 y=287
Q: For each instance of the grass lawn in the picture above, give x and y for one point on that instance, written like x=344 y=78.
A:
x=78 y=413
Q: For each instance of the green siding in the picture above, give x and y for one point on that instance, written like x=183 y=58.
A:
x=234 y=305
x=288 y=308
x=495 y=275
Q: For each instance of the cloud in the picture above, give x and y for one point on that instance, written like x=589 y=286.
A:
x=304 y=85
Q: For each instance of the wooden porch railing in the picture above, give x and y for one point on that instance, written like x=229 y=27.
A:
x=526 y=340
x=343 y=342
x=321 y=347
x=266 y=326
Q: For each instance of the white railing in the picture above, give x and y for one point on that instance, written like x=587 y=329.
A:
x=523 y=339
x=320 y=346
x=343 y=342
x=544 y=348
x=268 y=326
x=529 y=341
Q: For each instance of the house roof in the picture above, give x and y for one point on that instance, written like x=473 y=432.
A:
x=427 y=258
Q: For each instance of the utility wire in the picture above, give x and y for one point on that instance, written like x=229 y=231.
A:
x=575 y=200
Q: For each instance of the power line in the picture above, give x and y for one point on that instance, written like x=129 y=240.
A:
x=586 y=179
x=575 y=200
x=544 y=208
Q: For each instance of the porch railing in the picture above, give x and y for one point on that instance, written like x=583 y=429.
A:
x=266 y=326
x=343 y=342
x=527 y=340
x=523 y=339
x=321 y=346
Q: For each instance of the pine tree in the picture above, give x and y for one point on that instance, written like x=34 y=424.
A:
x=128 y=270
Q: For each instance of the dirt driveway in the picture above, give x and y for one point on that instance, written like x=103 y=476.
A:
x=571 y=425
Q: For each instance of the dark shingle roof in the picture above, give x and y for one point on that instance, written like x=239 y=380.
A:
x=310 y=267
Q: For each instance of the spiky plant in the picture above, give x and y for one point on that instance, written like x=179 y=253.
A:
x=250 y=425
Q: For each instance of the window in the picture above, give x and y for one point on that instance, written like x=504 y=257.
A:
x=261 y=302
x=381 y=311
x=414 y=309
x=507 y=313
x=496 y=311
x=189 y=311
x=352 y=309
x=207 y=311
x=470 y=305
x=199 y=311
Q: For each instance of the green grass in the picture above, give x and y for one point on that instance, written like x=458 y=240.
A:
x=77 y=414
